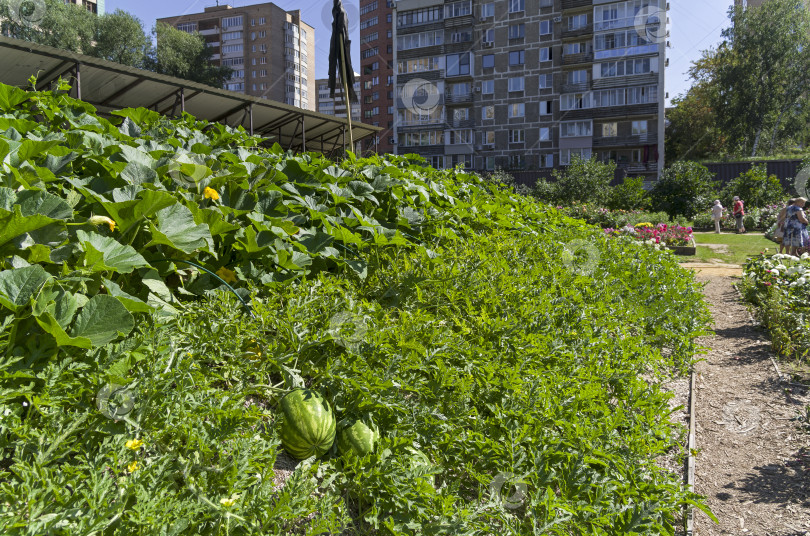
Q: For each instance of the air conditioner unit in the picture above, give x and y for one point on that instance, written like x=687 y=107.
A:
x=478 y=89
x=479 y=147
x=488 y=44
x=557 y=19
x=483 y=19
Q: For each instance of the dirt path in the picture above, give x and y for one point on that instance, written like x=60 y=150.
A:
x=753 y=462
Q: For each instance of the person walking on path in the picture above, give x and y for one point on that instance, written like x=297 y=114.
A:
x=796 y=237
x=717 y=214
x=779 y=234
x=739 y=212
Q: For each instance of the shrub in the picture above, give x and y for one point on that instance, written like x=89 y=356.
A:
x=755 y=187
x=584 y=181
x=685 y=189
x=629 y=195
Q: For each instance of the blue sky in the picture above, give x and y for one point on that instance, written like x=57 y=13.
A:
x=695 y=25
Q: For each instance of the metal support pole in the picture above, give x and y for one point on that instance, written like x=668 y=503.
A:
x=78 y=81
x=182 y=100
x=250 y=111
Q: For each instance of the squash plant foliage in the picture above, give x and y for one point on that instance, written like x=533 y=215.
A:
x=512 y=393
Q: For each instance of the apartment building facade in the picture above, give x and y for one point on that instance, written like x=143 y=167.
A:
x=526 y=84
x=336 y=105
x=93 y=6
x=271 y=50
x=377 y=75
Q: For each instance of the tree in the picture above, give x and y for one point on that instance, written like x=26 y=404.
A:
x=755 y=187
x=120 y=37
x=629 y=195
x=185 y=56
x=53 y=23
x=684 y=189
x=692 y=132
x=583 y=181
x=762 y=73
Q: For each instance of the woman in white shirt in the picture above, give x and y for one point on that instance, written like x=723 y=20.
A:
x=717 y=213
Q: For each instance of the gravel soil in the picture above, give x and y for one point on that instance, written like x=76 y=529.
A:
x=753 y=459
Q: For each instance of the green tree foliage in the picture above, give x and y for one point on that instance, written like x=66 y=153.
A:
x=685 y=189
x=120 y=37
x=584 y=181
x=762 y=75
x=755 y=187
x=59 y=25
x=185 y=56
x=629 y=195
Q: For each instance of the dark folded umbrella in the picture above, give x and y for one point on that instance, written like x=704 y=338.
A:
x=340 y=40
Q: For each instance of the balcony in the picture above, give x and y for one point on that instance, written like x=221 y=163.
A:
x=579 y=87
x=650 y=138
x=638 y=167
x=209 y=31
x=627 y=22
x=574 y=59
x=573 y=4
x=577 y=32
x=456 y=22
x=457 y=98
x=462 y=123
x=431 y=121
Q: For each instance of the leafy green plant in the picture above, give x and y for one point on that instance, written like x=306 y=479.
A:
x=685 y=189
x=755 y=187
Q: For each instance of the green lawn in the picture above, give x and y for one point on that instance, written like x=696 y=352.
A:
x=739 y=247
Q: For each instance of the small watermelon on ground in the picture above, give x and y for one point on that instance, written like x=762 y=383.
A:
x=355 y=436
x=308 y=424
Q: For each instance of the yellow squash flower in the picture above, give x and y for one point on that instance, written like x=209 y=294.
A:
x=228 y=275
x=134 y=444
x=98 y=220
x=210 y=193
x=132 y=467
x=227 y=502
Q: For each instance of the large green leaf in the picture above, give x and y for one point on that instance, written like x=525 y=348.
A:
x=13 y=223
x=176 y=228
x=127 y=213
x=19 y=285
x=133 y=304
x=53 y=327
x=104 y=253
x=11 y=97
x=103 y=319
x=35 y=202
x=28 y=150
x=59 y=303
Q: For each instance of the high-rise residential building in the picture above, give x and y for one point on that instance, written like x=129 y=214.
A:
x=377 y=75
x=271 y=50
x=749 y=3
x=94 y=6
x=336 y=105
x=526 y=84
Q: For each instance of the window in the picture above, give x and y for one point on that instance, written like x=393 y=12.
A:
x=517 y=136
x=487 y=112
x=369 y=23
x=370 y=37
x=545 y=134
x=458 y=9
x=546 y=107
x=188 y=27
x=488 y=87
x=517 y=31
x=235 y=87
x=375 y=81
x=635 y=155
x=419 y=16
x=547 y=161
x=577 y=21
x=263 y=20
x=625 y=67
x=369 y=52
x=432 y=137
x=263 y=48
x=458 y=64
x=490 y=163
x=577 y=77
x=368 y=8
x=516 y=6
x=517 y=161
x=488 y=36
x=608 y=97
x=262 y=34
x=545 y=27
x=572 y=129
x=575 y=101
x=460 y=37
x=488 y=61
x=461 y=114
x=460 y=137
x=411 y=66
x=642 y=95
x=488 y=10
x=516 y=83
x=639 y=128
x=230 y=49
x=388 y=18
x=517 y=110
x=610 y=130
x=237 y=73
x=574 y=48
x=419 y=40
x=545 y=54
x=566 y=154
x=230 y=62
x=546 y=81
x=227 y=22
x=263 y=60
x=516 y=57
x=488 y=137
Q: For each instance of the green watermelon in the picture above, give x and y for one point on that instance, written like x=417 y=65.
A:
x=355 y=436
x=307 y=425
